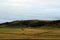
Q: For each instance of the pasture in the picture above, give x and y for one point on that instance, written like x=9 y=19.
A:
x=29 y=33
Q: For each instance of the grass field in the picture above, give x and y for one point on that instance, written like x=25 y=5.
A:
x=29 y=33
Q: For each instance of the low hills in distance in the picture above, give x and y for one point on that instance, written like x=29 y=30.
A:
x=31 y=23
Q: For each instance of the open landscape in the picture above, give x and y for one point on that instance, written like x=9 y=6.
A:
x=21 y=30
x=29 y=19
x=29 y=33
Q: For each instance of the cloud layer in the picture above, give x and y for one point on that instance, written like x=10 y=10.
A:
x=29 y=9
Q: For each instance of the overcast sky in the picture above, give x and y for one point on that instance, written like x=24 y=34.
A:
x=29 y=9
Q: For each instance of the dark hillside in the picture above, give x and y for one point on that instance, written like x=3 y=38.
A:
x=31 y=23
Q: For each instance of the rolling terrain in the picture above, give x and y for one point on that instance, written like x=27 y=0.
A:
x=30 y=29
x=31 y=23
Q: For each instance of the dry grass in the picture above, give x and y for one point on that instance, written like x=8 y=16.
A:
x=28 y=33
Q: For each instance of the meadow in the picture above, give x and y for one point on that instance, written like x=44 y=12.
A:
x=30 y=29
x=29 y=33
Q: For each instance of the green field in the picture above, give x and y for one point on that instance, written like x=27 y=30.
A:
x=29 y=33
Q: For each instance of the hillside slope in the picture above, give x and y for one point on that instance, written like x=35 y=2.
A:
x=31 y=23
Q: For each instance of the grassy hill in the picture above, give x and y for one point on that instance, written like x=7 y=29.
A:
x=31 y=23
x=30 y=29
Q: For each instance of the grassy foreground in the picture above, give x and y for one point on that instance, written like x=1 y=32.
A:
x=29 y=33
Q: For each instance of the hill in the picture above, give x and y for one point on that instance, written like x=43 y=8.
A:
x=31 y=23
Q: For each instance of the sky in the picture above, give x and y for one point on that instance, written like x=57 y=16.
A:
x=29 y=10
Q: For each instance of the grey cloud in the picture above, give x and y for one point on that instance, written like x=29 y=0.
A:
x=32 y=9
